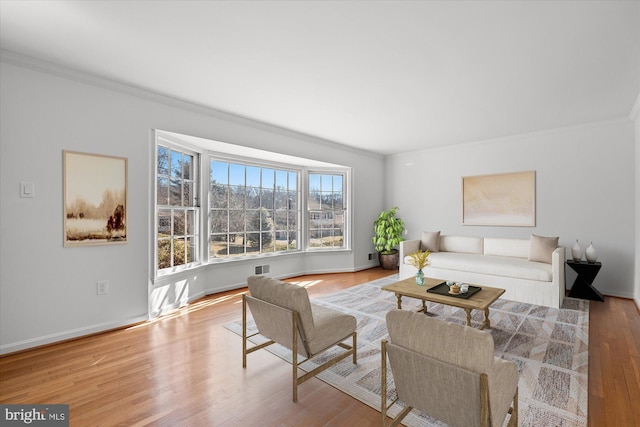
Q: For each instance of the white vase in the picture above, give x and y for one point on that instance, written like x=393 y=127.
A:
x=591 y=253
x=576 y=251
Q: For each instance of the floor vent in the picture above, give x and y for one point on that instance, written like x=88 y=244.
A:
x=262 y=269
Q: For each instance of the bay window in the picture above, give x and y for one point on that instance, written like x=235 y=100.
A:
x=217 y=202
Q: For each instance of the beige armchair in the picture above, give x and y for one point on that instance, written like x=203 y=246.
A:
x=283 y=314
x=448 y=371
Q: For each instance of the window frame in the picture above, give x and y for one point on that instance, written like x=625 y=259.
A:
x=204 y=150
x=252 y=162
x=173 y=145
x=346 y=208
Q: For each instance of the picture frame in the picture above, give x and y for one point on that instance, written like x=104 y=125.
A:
x=505 y=199
x=94 y=199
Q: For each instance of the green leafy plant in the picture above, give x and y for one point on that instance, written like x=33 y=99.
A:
x=419 y=259
x=388 y=230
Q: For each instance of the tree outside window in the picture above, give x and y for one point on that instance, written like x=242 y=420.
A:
x=326 y=210
x=253 y=209
x=177 y=236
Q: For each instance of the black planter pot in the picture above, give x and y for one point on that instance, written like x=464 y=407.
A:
x=389 y=261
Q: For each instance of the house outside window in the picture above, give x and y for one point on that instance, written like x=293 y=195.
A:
x=326 y=210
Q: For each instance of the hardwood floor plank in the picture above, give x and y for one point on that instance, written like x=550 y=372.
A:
x=185 y=369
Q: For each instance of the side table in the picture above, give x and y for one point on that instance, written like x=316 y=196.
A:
x=582 y=287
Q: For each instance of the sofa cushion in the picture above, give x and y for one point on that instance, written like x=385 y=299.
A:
x=542 y=248
x=518 y=268
x=518 y=248
x=463 y=244
x=430 y=241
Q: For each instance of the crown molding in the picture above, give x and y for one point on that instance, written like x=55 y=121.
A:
x=79 y=76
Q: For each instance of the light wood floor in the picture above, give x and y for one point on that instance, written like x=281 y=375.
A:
x=185 y=369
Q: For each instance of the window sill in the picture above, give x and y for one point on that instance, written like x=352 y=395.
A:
x=328 y=251
x=170 y=277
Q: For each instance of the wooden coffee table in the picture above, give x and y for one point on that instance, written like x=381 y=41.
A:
x=481 y=300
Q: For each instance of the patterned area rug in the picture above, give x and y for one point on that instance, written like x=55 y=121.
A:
x=548 y=345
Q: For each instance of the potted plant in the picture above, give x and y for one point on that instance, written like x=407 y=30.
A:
x=388 y=230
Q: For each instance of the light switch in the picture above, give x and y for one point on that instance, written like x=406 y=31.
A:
x=27 y=189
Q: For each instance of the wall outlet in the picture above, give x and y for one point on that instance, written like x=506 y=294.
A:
x=370 y=257
x=102 y=287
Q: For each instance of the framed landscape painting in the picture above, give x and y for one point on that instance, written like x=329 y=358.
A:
x=507 y=199
x=95 y=199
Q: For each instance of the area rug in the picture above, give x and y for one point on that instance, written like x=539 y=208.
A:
x=549 y=346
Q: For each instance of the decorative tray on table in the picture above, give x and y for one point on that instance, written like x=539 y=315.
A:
x=443 y=289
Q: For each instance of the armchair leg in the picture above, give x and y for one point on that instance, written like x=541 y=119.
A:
x=398 y=419
x=383 y=392
x=330 y=363
x=244 y=331
x=383 y=385
x=513 y=420
x=485 y=404
x=294 y=360
x=355 y=348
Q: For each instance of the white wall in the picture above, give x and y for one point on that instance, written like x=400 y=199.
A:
x=48 y=292
x=584 y=190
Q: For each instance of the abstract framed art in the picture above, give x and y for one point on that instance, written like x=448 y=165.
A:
x=506 y=199
x=95 y=199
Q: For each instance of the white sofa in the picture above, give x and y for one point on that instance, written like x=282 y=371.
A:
x=528 y=272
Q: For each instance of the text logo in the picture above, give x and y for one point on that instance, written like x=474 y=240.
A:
x=34 y=415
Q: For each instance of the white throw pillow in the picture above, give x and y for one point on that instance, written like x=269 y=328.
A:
x=542 y=248
x=430 y=241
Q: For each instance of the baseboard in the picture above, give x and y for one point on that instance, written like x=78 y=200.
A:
x=56 y=338
x=617 y=295
x=243 y=284
x=176 y=305
x=68 y=335
x=365 y=267
x=635 y=300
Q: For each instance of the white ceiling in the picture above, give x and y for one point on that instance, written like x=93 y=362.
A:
x=385 y=76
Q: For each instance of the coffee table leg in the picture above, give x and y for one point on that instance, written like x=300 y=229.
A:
x=424 y=307
x=399 y=301
x=468 y=311
x=487 y=322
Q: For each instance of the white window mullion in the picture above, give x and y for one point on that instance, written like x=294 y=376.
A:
x=202 y=203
